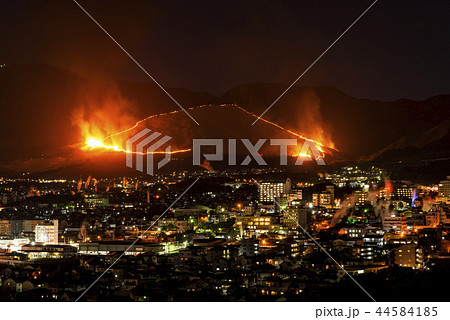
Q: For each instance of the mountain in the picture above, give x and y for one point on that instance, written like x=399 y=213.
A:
x=46 y=109
x=358 y=127
x=41 y=106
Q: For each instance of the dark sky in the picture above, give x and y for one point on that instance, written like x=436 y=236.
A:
x=399 y=49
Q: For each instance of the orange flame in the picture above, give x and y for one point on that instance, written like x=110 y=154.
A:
x=95 y=143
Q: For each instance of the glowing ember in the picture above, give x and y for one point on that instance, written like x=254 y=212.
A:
x=302 y=155
x=94 y=143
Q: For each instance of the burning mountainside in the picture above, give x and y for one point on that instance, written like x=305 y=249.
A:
x=43 y=129
x=100 y=113
x=116 y=141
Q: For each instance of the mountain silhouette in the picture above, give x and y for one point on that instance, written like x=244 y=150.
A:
x=41 y=118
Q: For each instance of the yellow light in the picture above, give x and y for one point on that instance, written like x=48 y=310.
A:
x=94 y=143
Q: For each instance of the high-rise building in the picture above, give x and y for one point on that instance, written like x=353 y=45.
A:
x=19 y=227
x=330 y=190
x=325 y=198
x=268 y=191
x=361 y=197
x=5 y=227
x=293 y=216
x=295 y=195
x=287 y=186
x=281 y=203
x=315 y=199
x=47 y=232
x=384 y=194
x=372 y=244
x=30 y=225
x=404 y=192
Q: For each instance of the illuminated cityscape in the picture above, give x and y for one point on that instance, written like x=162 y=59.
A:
x=164 y=154
x=224 y=241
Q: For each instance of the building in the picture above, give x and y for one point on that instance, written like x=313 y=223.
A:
x=5 y=227
x=261 y=224
x=96 y=201
x=295 y=195
x=167 y=224
x=408 y=255
x=249 y=210
x=430 y=239
x=404 y=193
x=281 y=203
x=384 y=194
x=13 y=244
x=268 y=191
x=315 y=199
x=34 y=252
x=249 y=247
x=361 y=197
x=444 y=188
x=25 y=286
x=289 y=246
x=323 y=199
x=330 y=190
x=46 y=232
x=372 y=244
x=294 y=216
x=432 y=219
x=357 y=232
x=19 y=227
x=108 y=247
x=394 y=223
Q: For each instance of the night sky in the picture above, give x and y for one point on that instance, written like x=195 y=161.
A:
x=399 y=49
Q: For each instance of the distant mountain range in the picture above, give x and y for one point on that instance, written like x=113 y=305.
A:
x=41 y=118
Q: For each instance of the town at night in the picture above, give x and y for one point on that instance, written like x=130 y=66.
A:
x=186 y=156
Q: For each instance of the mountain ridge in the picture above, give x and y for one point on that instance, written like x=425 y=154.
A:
x=43 y=118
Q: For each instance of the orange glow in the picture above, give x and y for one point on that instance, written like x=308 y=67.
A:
x=93 y=143
x=303 y=155
x=92 y=133
x=387 y=186
x=317 y=143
